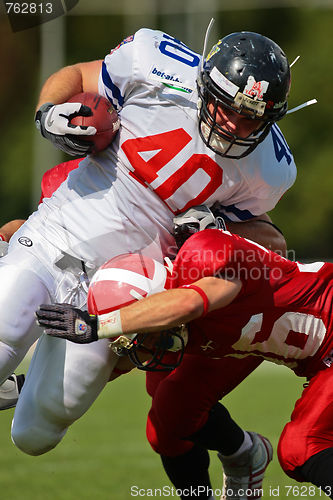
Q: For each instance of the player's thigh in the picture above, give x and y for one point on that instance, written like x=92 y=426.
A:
x=195 y=387
x=62 y=382
x=24 y=286
x=310 y=429
x=155 y=377
x=182 y=400
x=65 y=378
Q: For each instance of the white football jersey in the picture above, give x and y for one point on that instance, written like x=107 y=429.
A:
x=151 y=80
x=124 y=198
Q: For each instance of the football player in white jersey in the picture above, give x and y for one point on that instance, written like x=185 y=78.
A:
x=164 y=160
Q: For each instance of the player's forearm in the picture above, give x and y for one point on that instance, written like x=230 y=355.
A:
x=152 y=314
x=171 y=308
x=158 y=312
x=61 y=86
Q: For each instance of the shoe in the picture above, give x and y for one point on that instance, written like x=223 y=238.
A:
x=243 y=476
x=10 y=390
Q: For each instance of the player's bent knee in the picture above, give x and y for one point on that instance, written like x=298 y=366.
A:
x=164 y=443
x=34 y=439
x=291 y=451
x=40 y=422
x=49 y=405
x=285 y=452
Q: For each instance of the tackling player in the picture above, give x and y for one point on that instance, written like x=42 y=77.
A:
x=163 y=160
x=245 y=300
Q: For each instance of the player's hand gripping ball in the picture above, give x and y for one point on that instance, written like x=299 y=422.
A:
x=103 y=117
x=87 y=123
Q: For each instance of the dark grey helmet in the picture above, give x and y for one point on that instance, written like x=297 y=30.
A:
x=249 y=74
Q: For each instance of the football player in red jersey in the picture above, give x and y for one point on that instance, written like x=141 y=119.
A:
x=240 y=299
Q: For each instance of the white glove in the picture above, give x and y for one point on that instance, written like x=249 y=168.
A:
x=193 y=220
x=53 y=122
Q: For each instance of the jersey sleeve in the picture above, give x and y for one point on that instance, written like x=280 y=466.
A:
x=117 y=72
x=127 y=65
x=146 y=61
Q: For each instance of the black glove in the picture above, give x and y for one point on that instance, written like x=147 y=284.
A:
x=53 y=122
x=68 y=322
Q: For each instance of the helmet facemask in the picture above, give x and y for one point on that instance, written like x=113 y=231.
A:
x=222 y=141
x=147 y=350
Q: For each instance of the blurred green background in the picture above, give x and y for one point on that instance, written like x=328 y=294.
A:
x=91 y=29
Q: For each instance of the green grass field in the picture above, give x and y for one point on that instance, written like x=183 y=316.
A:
x=105 y=453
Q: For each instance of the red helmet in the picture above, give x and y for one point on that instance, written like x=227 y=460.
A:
x=122 y=281
x=125 y=279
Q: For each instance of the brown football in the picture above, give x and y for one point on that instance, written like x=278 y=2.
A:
x=104 y=118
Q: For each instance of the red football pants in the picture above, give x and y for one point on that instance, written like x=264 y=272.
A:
x=183 y=398
x=310 y=429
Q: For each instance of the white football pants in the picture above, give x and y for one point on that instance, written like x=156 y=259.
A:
x=63 y=379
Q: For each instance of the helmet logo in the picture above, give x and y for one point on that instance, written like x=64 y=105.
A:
x=214 y=50
x=255 y=89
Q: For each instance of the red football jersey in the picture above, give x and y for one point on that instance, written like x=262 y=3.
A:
x=283 y=312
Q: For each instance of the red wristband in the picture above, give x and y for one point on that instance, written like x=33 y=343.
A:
x=203 y=296
x=2 y=238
